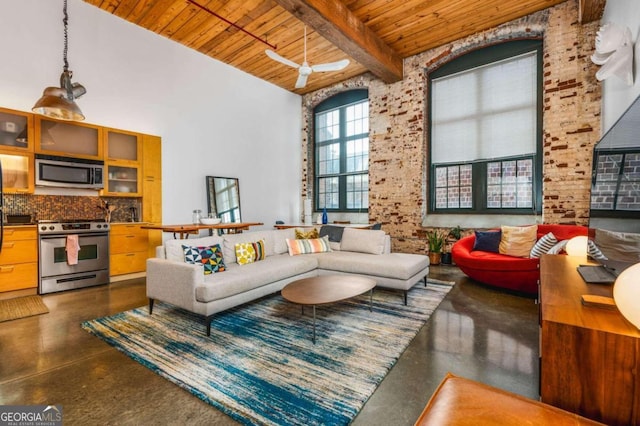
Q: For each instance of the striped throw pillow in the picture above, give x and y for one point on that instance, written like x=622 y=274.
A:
x=594 y=252
x=543 y=245
x=312 y=245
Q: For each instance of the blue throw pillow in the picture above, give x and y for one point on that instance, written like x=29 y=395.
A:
x=487 y=241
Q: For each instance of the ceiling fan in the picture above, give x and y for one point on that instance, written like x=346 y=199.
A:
x=305 y=69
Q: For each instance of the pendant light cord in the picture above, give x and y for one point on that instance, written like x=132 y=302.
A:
x=65 y=21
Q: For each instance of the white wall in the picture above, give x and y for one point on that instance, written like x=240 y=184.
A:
x=213 y=119
x=616 y=95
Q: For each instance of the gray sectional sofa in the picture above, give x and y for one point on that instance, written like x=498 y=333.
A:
x=360 y=252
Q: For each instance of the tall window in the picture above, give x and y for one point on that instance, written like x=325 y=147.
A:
x=342 y=152
x=485 y=132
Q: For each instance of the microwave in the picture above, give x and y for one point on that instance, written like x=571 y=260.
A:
x=68 y=172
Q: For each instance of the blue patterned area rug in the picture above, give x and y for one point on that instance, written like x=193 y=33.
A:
x=260 y=367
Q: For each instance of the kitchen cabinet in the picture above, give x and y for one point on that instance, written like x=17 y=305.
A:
x=19 y=258
x=122 y=181
x=17 y=172
x=152 y=180
x=152 y=188
x=68 y=139
x=128 y=249
x=16 y=131
x=123 y=159
x=16 y=151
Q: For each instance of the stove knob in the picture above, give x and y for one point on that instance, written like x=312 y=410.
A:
x=98 y=226
x=51 y=228
x=43 y=228
x=106 y=225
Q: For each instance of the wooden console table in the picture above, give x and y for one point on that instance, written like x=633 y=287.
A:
x=590 y=356
x=185 y=230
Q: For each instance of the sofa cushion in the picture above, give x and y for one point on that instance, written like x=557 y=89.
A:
x=174 y=251
x=239 y=279
x=230 y=241
x=487 y=241
x=619 y=246
x=309 y=245
x=362 y=241
x=543 y=245
x=391 y=265
x=518 y=240
x=209 y=257
x=280 y=240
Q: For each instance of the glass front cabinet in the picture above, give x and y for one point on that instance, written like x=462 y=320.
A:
x=16 y=151
x=123 y=160
x=68 y=139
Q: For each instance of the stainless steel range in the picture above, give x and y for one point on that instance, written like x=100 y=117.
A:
x=58 y=272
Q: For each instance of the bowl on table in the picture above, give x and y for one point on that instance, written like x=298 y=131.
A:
x=210 y=220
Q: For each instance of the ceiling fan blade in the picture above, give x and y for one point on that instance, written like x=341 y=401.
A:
x=302 y=81
x=331 y=66
x=273 y=55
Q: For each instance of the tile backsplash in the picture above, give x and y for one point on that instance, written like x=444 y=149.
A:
x=68 y=207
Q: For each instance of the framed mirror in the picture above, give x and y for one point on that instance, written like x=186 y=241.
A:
x=223 y=198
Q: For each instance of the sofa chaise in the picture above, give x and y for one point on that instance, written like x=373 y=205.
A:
x=367 y=253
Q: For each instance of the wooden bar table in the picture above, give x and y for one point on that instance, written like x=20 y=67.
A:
x=185 y=230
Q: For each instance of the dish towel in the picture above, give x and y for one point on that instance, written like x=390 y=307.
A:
x=73 y=247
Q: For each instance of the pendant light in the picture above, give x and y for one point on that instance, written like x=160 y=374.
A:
x=59 y=102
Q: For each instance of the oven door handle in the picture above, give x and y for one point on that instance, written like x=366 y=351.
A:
x=86 y=234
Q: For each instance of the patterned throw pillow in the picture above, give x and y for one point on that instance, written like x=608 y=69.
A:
x=302 y=235
x=210 y=257
x=250 y=252
x=543 y=245
x=310 y=245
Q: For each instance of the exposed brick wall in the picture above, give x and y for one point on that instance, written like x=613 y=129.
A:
x=398 y=125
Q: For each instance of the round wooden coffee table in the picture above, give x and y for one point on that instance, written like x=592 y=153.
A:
x=327 y=289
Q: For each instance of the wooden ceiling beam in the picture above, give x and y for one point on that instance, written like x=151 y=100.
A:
x=335 y=22
x=591 y=10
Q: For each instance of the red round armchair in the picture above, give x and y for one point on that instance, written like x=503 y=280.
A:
x=499 y=270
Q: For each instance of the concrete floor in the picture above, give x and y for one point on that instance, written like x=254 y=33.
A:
x=476 y=332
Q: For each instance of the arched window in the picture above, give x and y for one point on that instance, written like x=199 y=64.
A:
x=341 y=143
x=485 y=111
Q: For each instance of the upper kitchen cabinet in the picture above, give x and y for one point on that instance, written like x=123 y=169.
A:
x=122 y=146
x=16 y=131
x=68 y=139
x=123 y=160
x=16 y=151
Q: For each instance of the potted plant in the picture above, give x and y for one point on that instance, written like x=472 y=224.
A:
x=454 y=235
x=456 y=232
x=435 y=240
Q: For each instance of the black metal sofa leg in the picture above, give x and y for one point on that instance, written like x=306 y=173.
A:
x=207 y=321
x=150 y=306
x=405 y=297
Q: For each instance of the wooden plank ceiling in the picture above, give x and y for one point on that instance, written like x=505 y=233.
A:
x=375 y=35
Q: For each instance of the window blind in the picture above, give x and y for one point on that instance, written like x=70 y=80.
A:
x=485 y=112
